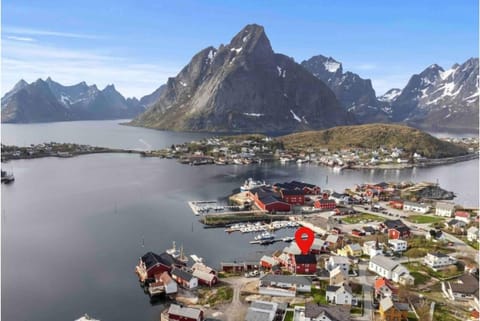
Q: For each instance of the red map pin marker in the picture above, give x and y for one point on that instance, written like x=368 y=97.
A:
x=304 y=244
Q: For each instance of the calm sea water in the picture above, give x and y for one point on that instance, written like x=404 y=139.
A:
x=72 y=229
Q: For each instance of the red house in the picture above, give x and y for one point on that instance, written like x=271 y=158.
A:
x=397 y=229
x=180 y=313
x=268 y=262
x=325 y=204
x=269 y=200
x=397 y=204
x=296 y=197
x=304 y=264
x=152 y=263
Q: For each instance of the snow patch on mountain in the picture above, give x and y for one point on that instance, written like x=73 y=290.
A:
x=331 y=66
x=295 y=116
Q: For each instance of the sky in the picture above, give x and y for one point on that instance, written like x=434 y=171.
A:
x=137 y=45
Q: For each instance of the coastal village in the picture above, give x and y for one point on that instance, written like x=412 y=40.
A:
x=255 y=149
x=389 y=251
x=252 y=149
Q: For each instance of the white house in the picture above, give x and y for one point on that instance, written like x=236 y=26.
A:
x=262 y=310
x=338 y=261
x=472 y=234
x=299 y=283
x=338 y=276
x=445 y=209
x=372 y=248
x=397 y=245
x=339 y=294
x=390 y=269
x=438 y=260
x=416 y=207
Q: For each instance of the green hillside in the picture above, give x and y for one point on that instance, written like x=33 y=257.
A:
x=373 y=136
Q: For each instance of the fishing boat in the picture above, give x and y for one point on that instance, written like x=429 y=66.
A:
x=265 y=236
x=251 y=184
x=7 y=177
x=179 y=255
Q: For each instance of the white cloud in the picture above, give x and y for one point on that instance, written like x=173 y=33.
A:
x=39 y=32
x=27 y=39
x=30 y=61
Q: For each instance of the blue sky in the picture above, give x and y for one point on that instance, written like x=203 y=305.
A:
x=137 y=45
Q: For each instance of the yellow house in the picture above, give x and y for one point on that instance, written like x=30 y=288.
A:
x=393 y=311
x=350 y=250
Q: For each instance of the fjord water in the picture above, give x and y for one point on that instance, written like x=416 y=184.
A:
x=73 y=229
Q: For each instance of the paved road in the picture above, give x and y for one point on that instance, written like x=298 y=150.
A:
x=367 y=282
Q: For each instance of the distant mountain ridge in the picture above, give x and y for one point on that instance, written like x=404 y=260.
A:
x=47 y=101
x=244 y=87
x=440 y=99
x=354 y=93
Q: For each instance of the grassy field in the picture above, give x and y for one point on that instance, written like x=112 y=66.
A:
x=423 y=219
x=442 y=313
x=419 y=247
x=419 y=278
x=416 y=270
x=364 y=217
x=319 y=296
x=214 y=296
x=288 y=316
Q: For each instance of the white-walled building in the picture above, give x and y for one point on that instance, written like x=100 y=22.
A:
x=372 y=248
x=338 y=261
x=398 y=245
x=390 y=269
x=339 y=294
x=437 y=261
x=472 y=234
x=444 y=209
x=416 y=207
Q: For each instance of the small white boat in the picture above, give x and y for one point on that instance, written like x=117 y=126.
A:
x=265 y=236
x=288 y=239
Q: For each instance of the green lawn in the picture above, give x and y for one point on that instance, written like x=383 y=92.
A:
x=288 y=316
x=419 y=277
x=364 y=217
x=416 y=268
x=319 y=296
x=423 y=219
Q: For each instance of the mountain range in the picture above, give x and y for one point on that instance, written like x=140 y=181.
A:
x=47 y=100
x=245 y=86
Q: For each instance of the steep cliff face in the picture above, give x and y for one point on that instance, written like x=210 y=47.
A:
x=244 y=86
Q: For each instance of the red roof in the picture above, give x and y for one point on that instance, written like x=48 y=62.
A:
x=475 y=314
x=462 y=214
x=383 y=281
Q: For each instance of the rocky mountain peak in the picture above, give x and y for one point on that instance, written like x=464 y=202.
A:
x=251 y=40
